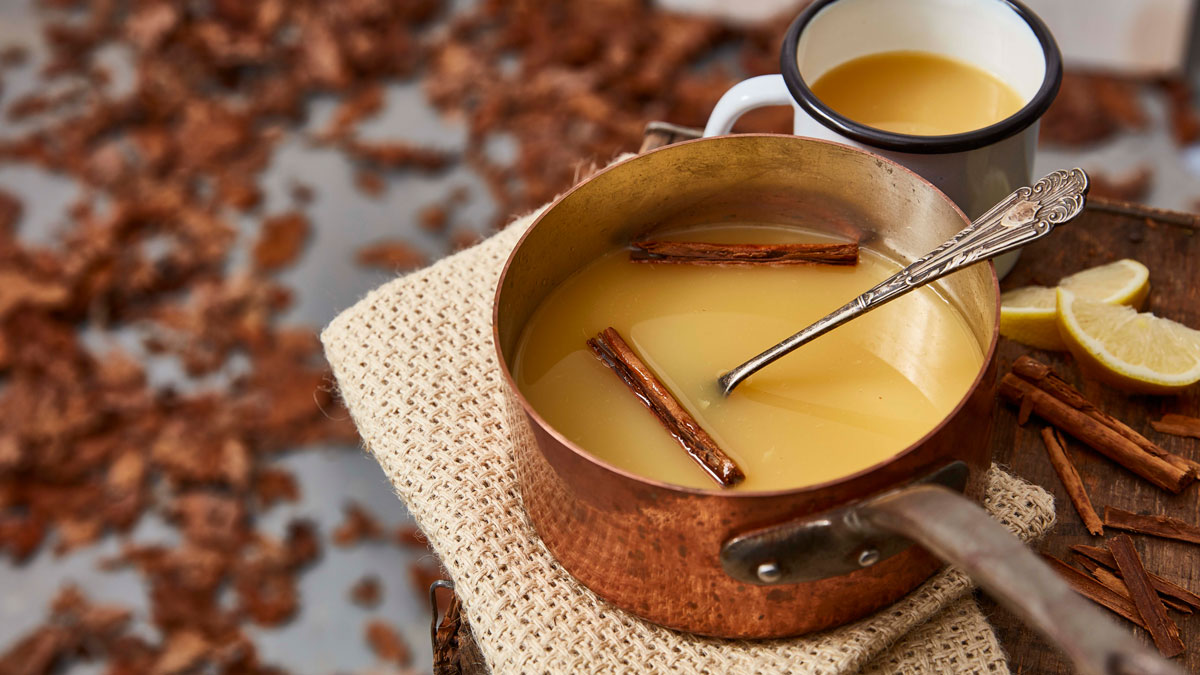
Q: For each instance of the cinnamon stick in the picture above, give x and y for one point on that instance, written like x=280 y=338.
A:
x=1113 y=580
x=1153 y=525
x=1071 y=481
x=1162 y=629
x=704 y=253
x=620 y=357
x=1163 y=585
x=1095 y=435
x=1095 y=591
x=1047 y=380
x=1178 y=425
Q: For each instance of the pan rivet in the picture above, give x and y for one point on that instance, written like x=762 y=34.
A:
x=769 y=572
x=868 y=557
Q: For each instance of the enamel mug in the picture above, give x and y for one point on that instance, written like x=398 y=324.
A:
x=1000 y=37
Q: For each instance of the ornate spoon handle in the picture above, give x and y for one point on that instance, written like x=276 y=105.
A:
x=1026 y=215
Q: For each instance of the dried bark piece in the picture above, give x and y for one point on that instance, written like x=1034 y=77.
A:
x=209 y=520
x=433 y=218
x=74 y=624
x=302 y=544
x=274 y=485
x=281 y=240
x=367 y=591
x=22 y=291
x=1070 y=479
x=392 y=256
x=398 y=155
x=1113 y=581
x=302 y=193
x=1095 y=591
x=359 y=525
x=387 y=643
x=359 y=106
x=21 y=535
x=1178 y=425
x=1153 y=525
x=411 y=536
x=370 y=182
x=1166 y=587
x=10 y=213
x=184 y=651
x=463 y=239
x=1154 y=614
x=13 y=55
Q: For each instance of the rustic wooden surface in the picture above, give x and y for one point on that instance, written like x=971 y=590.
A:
x=1169 y=244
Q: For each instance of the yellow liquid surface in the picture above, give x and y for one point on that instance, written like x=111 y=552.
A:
x=839 y=404
x=916 y=93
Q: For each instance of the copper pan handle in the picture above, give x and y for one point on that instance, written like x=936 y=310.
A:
x=958 y=531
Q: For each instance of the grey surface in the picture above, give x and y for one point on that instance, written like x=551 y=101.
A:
x=327 y=636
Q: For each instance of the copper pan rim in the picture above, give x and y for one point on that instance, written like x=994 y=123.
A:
x=529 y=410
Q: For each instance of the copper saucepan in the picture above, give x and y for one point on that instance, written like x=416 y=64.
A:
x=772 y=564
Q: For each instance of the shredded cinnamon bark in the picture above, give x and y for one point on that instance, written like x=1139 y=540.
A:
x=1164 y=586
x=1095 y=591
x=620 y=357
x=1153 y=525
x=704 y=253
x=1161 y=627
x=1113 y=580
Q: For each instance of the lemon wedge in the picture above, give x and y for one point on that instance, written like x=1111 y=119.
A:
x=1029 y=315
x=1137 y=352
x=1124 y=282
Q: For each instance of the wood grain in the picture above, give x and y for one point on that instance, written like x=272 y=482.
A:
x=1169 y=244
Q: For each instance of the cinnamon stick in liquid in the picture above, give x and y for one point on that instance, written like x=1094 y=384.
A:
x=621 y=359
x=1153 y=525
x=1164 y=586
x=1048 y=381
x=1161 y=627
x=1071 y=481
x=703 y=253
x=1095 y=435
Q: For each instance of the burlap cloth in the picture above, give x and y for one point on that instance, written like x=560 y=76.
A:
x=414 y=363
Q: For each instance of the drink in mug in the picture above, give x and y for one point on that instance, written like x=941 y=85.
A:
x=841 y=65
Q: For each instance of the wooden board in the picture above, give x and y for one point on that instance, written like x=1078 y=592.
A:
x=1169 y=244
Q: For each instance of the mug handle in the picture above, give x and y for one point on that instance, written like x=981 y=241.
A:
x=756 y=92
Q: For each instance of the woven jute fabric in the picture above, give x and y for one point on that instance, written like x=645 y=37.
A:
x=415 y=365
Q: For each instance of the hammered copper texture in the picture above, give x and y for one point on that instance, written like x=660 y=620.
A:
x=651 y=548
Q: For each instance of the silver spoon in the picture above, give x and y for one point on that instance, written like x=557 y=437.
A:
x=1026 y=215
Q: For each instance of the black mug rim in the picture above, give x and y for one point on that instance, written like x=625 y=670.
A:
x=887 y=140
